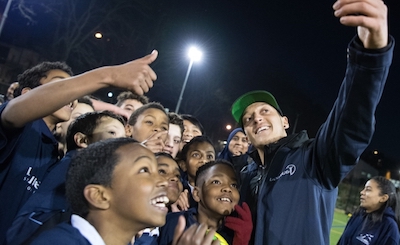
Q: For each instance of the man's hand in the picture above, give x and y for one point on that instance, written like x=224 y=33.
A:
x=370 y=17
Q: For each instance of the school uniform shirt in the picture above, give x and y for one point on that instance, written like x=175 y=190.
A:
x=25 y=155
x=357 y=232
x=187 y=186
x=78 y=232
x=46 y=208
x=149 y=237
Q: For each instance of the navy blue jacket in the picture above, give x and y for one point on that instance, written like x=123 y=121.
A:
x=382 y=233
x=46 y=208
x=297 y=196
x=25 y=156
x=63 y=234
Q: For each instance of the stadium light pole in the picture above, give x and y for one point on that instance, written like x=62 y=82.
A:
x=5 y=14
x=194 y=55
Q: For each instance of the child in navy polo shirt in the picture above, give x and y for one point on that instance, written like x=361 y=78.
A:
x=217 y=194
x=27 y=146
x=169 y=169
x=48 y=206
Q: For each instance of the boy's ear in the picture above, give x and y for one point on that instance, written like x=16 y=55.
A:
x=182 y=165
x=196 y=194
x=97 y=196
x=128 y=130
x=81 y=140
x=25 y=90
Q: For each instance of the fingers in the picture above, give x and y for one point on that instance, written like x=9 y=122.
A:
x=180 y=227
x=183 y=200
x=182 y=204
x=370 y=16
x=155 y=142
x=244 y=211
x=195 y=234
x=150 y=58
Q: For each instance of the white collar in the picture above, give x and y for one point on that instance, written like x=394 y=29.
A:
x=152 y=232
x=87 y=230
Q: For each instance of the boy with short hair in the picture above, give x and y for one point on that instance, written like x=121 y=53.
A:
x=192 y=128
x=115 y=191
x=168 y=168
x=83 y=106
x=48 y=206
x=149 y=124
x=216 y=191
x=130 y=102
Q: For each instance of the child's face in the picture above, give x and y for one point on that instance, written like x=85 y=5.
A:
x=81 y=108
x=64 y=113
x=190 y=131
x=149 y=122
x=198 y=155
x=173 y=141
x=169 y=169
x=217 y=191
x=138 y=193
x=107 y=128
x=131 y=105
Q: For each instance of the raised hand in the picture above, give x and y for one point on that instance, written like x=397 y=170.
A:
x=370 y=17
x=241 y=225
x=136 y=76
x=195 y=235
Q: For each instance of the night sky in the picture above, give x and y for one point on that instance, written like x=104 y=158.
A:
x=294 y=49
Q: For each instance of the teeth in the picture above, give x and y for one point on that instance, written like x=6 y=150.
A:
x=160 y=201
x=225 y=199
x=261 y=129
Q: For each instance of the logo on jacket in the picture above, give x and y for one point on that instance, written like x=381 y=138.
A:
x=32 y=181
x=289 y=170
x=365 y=238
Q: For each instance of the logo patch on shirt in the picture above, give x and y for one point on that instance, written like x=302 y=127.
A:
x=289 y=170
x=32 y=181
x=365 y=238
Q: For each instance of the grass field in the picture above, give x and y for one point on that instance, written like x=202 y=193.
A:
x=339 y=222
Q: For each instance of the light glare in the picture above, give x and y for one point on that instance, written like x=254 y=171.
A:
x=98 y=35
x=195 y=54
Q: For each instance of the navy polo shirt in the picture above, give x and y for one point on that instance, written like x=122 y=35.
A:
x=25 y=156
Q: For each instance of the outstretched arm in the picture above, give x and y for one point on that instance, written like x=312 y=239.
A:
x=136 y=76
x=370 y=18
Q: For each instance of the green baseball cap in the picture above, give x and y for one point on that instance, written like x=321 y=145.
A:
x=240 y=105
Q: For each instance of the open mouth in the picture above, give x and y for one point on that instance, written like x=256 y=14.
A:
x=167 y=151
x=261 y=129
x=224 y=199
x=160 y=201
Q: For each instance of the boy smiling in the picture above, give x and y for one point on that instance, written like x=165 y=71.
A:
x=217 y=194
x=115 y=191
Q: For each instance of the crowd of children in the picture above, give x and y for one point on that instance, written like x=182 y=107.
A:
x=66 y=198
